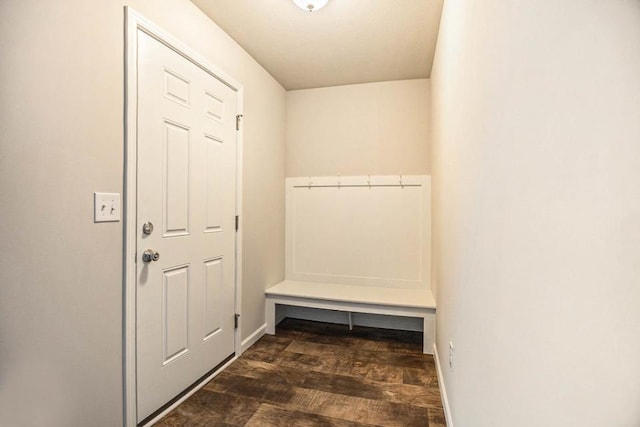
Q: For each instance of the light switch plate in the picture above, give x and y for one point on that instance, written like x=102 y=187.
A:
x=106 y=207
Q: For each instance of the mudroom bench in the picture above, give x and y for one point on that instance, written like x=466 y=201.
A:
x=355 y=299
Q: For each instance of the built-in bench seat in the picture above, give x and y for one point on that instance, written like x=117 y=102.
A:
x=355 y=299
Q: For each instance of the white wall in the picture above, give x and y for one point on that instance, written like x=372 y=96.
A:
x=536 y=159
x=61 y=139
x=365 y=129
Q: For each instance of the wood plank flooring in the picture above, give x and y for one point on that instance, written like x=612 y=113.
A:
x=319 y=374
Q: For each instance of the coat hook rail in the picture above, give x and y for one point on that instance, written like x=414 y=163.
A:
x=368 y=181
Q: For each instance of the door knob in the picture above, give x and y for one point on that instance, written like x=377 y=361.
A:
x=150 y=255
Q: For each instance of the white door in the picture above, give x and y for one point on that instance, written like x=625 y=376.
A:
x=186 y=191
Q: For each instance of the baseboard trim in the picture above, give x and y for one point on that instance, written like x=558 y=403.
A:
x=189 y=394
x=255 y=336
x=443 y=390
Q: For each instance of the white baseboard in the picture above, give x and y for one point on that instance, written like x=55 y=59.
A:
x=443 y=390
x=189 y=394
x=251 y=339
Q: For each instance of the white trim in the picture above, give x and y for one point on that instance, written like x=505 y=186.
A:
x=239 y=212
x=443 y=390
x=129 y=264
x=189 y=394
x=253 y=338
x=133 y=23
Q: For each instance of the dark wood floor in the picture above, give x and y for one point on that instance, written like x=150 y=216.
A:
x=318 y=374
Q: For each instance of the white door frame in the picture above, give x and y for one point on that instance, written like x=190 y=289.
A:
x=133 y=23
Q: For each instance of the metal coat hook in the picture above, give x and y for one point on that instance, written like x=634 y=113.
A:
x=310 y=182
x=369 y=181
x=339 y=182
x=401 y=185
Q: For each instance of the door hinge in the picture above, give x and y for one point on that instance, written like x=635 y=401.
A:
x=236 y=318
x=238 y=117
x=237 y=222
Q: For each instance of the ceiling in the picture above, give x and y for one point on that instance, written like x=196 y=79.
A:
x=346 y=42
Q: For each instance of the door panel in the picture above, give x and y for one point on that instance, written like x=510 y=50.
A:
x=176 y=179
x=213 y=289
x=214 y=186
x=186 y=188
x=175 y=313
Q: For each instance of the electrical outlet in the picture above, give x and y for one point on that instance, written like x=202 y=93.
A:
x=451 y=354
x=106 y=207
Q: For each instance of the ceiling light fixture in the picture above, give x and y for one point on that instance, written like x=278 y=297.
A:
x=310 y=5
